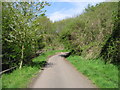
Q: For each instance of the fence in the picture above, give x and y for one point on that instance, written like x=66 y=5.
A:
x=7 y=70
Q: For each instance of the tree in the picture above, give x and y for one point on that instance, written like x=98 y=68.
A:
x=18 y=37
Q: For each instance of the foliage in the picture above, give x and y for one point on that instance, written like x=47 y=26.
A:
x=20 y=39
x=101 y=74
x=87 y=34
x=110 y=52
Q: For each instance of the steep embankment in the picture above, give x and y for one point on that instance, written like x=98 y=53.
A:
x=94 y=33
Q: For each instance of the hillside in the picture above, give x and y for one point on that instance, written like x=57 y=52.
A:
x=93 y=34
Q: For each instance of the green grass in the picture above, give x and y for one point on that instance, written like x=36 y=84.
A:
x=21 y=78
x=102 y=75
x=0 y=83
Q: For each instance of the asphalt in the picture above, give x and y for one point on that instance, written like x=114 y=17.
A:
x=59 y=73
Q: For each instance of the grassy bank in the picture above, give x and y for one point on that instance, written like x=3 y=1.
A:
x=102 y=75
x=20 y=78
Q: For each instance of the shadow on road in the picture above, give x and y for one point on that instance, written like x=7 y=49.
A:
x=48 y=65
x=65 y=55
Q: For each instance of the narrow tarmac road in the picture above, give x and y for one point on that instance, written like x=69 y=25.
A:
x=59 y=73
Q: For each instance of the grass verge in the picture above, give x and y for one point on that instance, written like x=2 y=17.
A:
x=102 y=75
x=21 y=78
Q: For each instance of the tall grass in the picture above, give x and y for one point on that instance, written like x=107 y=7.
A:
x=21 y=78
x=102 y=75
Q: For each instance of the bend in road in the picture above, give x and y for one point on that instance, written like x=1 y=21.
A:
x=59 y=73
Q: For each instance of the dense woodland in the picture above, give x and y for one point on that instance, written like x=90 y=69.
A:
x=93 y=34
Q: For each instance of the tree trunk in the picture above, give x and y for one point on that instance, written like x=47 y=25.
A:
x=21 y=62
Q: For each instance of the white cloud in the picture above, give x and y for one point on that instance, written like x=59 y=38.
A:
x=67 y=13
x=62 y=14
x=78 y=8
x=56 y=16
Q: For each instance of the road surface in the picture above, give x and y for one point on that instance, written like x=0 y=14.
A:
x=59 y=73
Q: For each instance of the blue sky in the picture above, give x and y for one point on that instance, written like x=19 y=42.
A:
x=61 y=10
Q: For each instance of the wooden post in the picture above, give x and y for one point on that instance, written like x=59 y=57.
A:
x=22 y=54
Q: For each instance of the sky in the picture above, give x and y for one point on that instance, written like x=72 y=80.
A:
x=61 y=10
